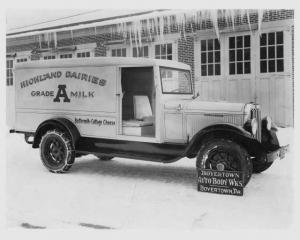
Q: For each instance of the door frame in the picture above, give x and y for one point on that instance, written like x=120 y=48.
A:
x=119 y=93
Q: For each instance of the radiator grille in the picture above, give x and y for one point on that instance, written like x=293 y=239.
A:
x=255 y=113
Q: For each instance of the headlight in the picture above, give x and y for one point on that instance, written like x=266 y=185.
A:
x=267 y=123
x=254 y=126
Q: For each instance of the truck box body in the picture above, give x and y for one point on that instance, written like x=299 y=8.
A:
x=84 y=95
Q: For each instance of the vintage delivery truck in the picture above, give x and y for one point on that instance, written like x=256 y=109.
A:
x=135 y=108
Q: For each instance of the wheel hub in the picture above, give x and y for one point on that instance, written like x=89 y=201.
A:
x=56 y=151
x=220 y=167
x=222 y=160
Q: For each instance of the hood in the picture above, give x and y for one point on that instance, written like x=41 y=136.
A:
x=195 y=105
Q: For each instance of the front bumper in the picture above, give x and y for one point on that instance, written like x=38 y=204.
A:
x=277 y=154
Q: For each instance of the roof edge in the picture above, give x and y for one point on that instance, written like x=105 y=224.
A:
x=85 y=22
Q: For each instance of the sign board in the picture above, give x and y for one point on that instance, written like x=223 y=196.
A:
x=220 y=182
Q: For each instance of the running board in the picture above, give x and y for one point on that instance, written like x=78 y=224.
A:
x=130 y=149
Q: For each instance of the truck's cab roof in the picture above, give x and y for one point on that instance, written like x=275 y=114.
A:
x=102 y=61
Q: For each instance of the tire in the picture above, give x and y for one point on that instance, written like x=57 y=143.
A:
x=104 y=158
x=270 y=141
x=225 y=155
x=260 y=164
x=259 y=168
x=57 y=151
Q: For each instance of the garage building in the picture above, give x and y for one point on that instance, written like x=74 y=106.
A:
x=235 y=55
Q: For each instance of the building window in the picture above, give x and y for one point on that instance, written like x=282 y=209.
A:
x=163 y=51
x=83 y=54
x=240 y=55
x=210 y=57
x=140 y=52
x=69 y=55
x=21 y=60
x=9 y=72
x=49 y=57
x=118 y=52
x=271 y=52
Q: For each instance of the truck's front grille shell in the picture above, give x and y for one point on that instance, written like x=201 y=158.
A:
x=255 y=113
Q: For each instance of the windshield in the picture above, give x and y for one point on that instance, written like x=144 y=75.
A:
x=175 y=81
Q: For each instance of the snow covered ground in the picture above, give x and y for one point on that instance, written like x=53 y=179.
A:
x=130 y=194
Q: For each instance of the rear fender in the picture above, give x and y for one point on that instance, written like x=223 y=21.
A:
x=56 y=123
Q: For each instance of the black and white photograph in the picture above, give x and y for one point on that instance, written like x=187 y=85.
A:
x=149 y=119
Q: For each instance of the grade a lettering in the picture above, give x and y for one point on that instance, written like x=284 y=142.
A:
x=42 y=93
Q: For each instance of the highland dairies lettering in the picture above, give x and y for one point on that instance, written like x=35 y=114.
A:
x=85 y=77
x=68 y=75
x=40 y=78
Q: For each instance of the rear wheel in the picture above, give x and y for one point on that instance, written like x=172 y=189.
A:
x=57 y=151
x=225 y=155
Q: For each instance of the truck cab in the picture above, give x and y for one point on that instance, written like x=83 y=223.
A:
x=136 y=108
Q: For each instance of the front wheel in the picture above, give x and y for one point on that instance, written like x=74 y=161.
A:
x=57 y=151
x=261 y=167
x=260 y=163
x=225 y=155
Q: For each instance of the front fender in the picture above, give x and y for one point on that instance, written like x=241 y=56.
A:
x=227 y=131
x=269 y=140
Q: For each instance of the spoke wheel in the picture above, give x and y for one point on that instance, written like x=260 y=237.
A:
x=57 y=151
x=221 y=160
x=225 y=155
